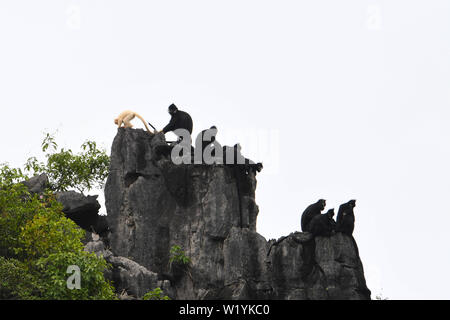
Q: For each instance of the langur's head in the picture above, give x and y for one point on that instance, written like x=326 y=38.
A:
x=352 y=203
x=330 y=213
x=172 y=109
x=322 y=203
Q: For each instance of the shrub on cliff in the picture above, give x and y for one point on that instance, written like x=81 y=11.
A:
x=65 y=169
x=178 y=256
x=38 y=243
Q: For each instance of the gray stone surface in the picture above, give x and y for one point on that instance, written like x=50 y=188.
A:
x=130 y=279
x=83 y=210
x=210 y=212
x=37 y=184
x=303 y=267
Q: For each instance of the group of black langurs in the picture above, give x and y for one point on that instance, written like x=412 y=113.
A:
x=181 y=120
x=312 y=220
x=319 y=224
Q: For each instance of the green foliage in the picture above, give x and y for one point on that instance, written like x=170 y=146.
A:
x=17 y=207
x=155 y=294
x=178 y=256
x=15 y=280
x=65 y=169
x=48 y=233
x=47 y=278
x=9 y=176
x=37 y=242
x=53 y=273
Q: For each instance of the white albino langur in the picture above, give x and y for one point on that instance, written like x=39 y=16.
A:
x=125 y=118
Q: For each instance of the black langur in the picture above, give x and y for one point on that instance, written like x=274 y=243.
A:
x=179 y=120
x=233 y=156
x=241 y=169
x=323 y=224
x=310 y=212
x=345 y=221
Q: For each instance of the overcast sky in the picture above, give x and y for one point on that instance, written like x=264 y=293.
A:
x=339 y=99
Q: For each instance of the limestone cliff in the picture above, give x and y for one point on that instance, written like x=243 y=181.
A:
x=210 y=212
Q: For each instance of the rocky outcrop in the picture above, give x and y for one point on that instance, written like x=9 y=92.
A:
x=303 y=267
x=210 y=212
x=128 y=276
x=81 y=209
x=37 y=184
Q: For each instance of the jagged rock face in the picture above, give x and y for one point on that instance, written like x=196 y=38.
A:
x=37 y=184
x=210 y=212
x=127 y=275
x=81 y=209
x=307 y=268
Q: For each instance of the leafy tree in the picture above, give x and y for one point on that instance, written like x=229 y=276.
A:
x=10 y=176
x=82 y=171
x=53 y=273
x=17 y=207
x=49 y=233
x=15 y=280
x=37 y=242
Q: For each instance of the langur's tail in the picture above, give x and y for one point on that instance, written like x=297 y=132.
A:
x=145 y=123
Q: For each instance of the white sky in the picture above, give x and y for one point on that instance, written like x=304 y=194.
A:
x=339 y=99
